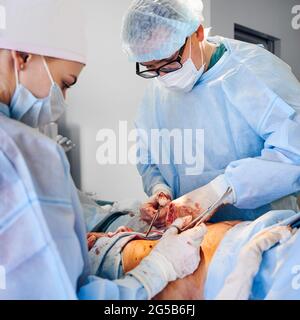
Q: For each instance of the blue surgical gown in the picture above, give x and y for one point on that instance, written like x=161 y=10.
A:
x=248 y=108
x=278 y=277
x=43 y=251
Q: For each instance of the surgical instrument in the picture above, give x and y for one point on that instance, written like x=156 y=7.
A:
x=203 y=217
x=152 y=223
x=208 y=213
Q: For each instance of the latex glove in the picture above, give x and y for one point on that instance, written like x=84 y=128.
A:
x=65 y=143
x=238 y=284
x=51 y=131
x=198 y=201
x=160 y=199
x=174 y=257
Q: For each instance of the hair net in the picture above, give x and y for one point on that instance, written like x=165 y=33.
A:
x=54 y=28
x=156 y=29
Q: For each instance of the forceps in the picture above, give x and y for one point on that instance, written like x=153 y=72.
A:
x=208 y=213
x=203 y=217
x=152 y=223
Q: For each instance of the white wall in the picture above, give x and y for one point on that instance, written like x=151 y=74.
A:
x=268 y=16
x=207 y=12
x=109 y=91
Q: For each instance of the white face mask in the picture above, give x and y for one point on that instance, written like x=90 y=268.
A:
x=35 y=112
x=184 y=79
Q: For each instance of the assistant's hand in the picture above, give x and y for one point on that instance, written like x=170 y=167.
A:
x=174 y=257
x=182 y=250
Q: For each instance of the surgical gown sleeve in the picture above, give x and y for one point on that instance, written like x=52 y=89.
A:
x=92 y=287
x=276 y=172
x=29 y=255
x=124 y=289
x=42 y=233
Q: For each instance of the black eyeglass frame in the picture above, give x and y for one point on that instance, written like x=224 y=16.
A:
x=158 y=70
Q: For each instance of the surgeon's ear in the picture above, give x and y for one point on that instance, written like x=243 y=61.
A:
x=20 y=59
x=200 y=33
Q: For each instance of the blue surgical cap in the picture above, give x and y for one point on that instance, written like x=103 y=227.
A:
x=156 y=29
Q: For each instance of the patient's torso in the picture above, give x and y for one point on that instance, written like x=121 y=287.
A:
x=190 y=288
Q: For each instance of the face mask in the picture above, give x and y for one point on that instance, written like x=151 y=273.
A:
x=34 y=112
x=184 y=79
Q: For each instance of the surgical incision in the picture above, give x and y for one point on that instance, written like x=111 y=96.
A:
x=179 y=209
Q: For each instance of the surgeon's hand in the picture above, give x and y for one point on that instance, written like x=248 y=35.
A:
x=197 y=202
x=154 y=204
x=174 y=257
x=180 y=208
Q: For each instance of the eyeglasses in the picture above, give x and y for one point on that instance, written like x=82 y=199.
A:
x=169 y=67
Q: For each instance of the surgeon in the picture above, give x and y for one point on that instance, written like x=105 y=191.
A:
x=241 y=103
x=43 y=248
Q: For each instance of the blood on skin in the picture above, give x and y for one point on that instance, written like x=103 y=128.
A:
x=170 y=218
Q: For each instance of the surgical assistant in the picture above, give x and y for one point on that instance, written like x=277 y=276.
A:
x=246 y=101
x=43 y=247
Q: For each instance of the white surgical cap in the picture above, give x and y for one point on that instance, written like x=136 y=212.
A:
x=156 y=29
x=54 y=28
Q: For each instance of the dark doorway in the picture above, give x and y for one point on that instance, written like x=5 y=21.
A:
x=245 y=34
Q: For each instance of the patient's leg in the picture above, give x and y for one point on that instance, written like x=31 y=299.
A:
x=192 y=287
